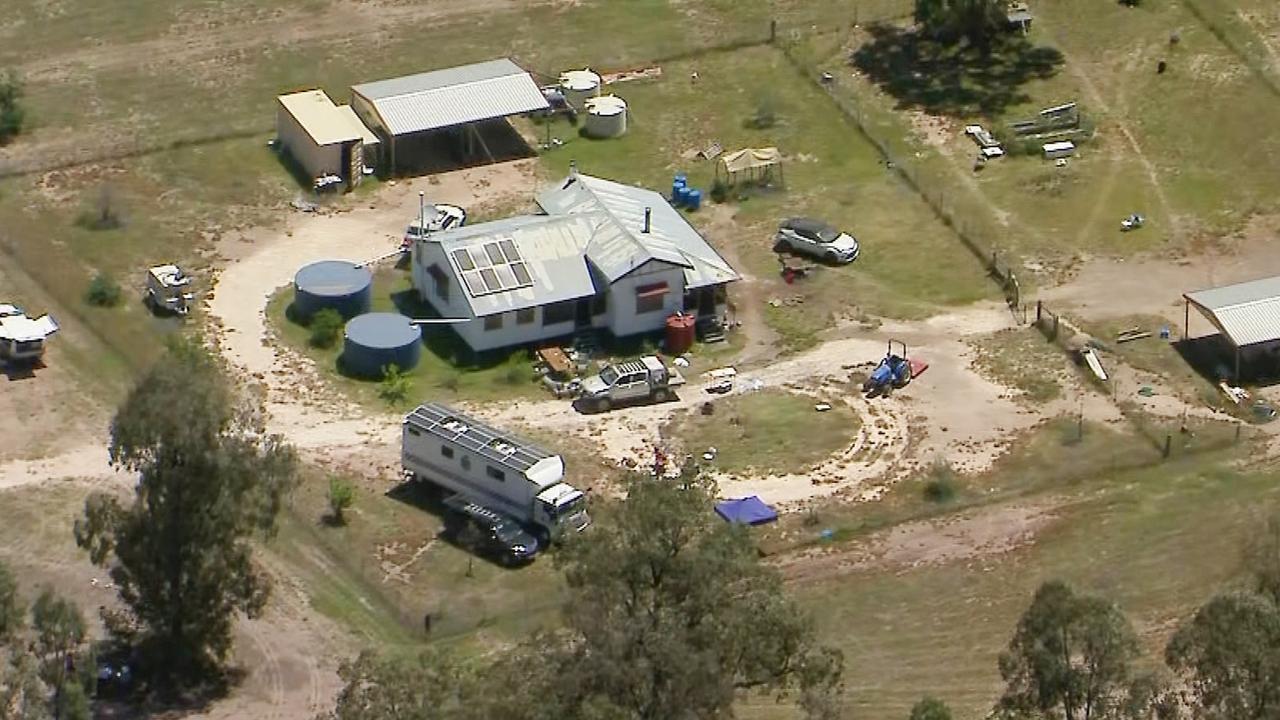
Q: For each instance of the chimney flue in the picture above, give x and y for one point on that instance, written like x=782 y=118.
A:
x=648 y=218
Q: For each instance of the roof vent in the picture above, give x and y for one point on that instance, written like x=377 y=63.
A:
x=454 y=424
x=648 y=219
x=502 y=446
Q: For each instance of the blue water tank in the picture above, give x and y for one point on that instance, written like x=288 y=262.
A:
x=681 y=196
x=693 y=199
x=676 y=186
x=336 y=284
x=375 y=340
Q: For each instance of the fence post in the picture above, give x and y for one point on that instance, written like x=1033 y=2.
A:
x=1168 y=445
x=1039 y=310
x=773 y=31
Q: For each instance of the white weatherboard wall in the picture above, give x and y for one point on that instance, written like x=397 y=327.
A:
x=622 y=319
x=315 y=159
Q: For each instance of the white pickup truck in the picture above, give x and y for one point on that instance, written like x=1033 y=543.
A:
x=643 y=380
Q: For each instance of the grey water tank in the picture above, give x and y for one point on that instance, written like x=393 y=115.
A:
x=336 y=284
x=376 y=340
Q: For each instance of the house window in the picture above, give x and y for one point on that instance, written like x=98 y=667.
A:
x=650 y=298
x=525 y=316
x=493 y=322
x=439 y=282
x=446 y=451
x=556 y=313
x=495 y=473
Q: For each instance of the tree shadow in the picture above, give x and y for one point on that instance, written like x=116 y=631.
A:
x=953 y=79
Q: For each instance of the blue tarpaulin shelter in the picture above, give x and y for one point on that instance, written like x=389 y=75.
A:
x=747 y=510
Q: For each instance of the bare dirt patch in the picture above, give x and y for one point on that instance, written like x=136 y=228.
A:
x=987 y=533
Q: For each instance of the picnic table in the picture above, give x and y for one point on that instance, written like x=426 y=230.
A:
x=556 y=360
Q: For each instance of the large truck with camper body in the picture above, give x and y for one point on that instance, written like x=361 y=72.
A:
x=493 y=469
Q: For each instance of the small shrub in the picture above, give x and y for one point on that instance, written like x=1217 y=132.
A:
x=719 y=191
x=940 y=487
x=105 y=214
x=326 y=327
x=395 y=385
x=765 y=115
x=342 y=495
x=12 y=115
x=930 y=709
x=514 y=375
x=103 y=291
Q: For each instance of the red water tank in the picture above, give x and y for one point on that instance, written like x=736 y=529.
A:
x=681 y=333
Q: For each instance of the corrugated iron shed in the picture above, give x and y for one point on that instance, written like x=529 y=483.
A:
x=1246 y=313
x=453 y=96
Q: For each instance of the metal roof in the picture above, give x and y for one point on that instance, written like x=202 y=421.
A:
x=549 y=248
x=474 y=436
x=20 y=328
x=620 y=245
x=323 y=121
x=1247 y=313
x=453 y=96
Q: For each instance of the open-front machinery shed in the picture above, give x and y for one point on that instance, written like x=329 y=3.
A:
x=1247 y=315
x=459 y=106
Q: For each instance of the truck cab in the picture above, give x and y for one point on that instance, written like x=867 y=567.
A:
x=646 y=379
x=561 y=508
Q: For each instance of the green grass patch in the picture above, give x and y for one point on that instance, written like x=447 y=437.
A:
x=770 y=431
x=447 y=371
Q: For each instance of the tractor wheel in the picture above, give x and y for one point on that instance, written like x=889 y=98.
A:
x=603 y=405
x=831 y=258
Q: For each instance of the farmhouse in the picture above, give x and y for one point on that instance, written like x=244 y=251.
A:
x=454 y=114
x=327 y=141
x=604 y=256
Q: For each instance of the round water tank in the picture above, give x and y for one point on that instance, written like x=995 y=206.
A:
x=606 y=117
x=375 y=340
x=335 y=284
x=578 y=86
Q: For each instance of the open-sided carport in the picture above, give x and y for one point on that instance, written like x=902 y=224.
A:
x=454 y=99
x=1247 y=314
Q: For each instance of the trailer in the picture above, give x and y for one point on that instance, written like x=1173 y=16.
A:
x=22 y=339
x=496 y=470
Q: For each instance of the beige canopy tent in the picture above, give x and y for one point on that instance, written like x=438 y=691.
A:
x=750 y=165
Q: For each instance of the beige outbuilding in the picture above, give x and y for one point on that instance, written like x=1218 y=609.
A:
x=327 y=141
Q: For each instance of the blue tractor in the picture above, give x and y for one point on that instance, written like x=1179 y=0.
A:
x=894 y=371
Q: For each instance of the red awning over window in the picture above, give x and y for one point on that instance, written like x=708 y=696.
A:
x=654 y=290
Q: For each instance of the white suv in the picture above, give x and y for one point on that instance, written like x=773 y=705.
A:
x=439 y=217
x=816 y=238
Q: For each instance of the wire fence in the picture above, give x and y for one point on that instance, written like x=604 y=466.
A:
x=974 y=226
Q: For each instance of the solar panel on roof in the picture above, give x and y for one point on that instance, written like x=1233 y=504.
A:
x=495 y=253
x=491 y=280
x=509 y=249
x=474 y=284
x=481 y=260
x=507 y=277
x=523 y=278
x=463 y=258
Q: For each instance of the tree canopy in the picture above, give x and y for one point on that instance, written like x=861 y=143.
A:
x=1069 y=657
x=44 y=664
x=209 y=478
x=930 y=708
x=976 y=21
x=670 y=616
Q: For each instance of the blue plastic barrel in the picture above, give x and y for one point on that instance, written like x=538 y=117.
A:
x=681 y=196
x=677 y=186
x=682 y=179
x=693 y=198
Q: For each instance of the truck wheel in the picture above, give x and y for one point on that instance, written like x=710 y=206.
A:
x=603 y=405
x=661 y=395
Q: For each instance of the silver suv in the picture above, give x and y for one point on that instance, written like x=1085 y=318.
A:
x=807 y=236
